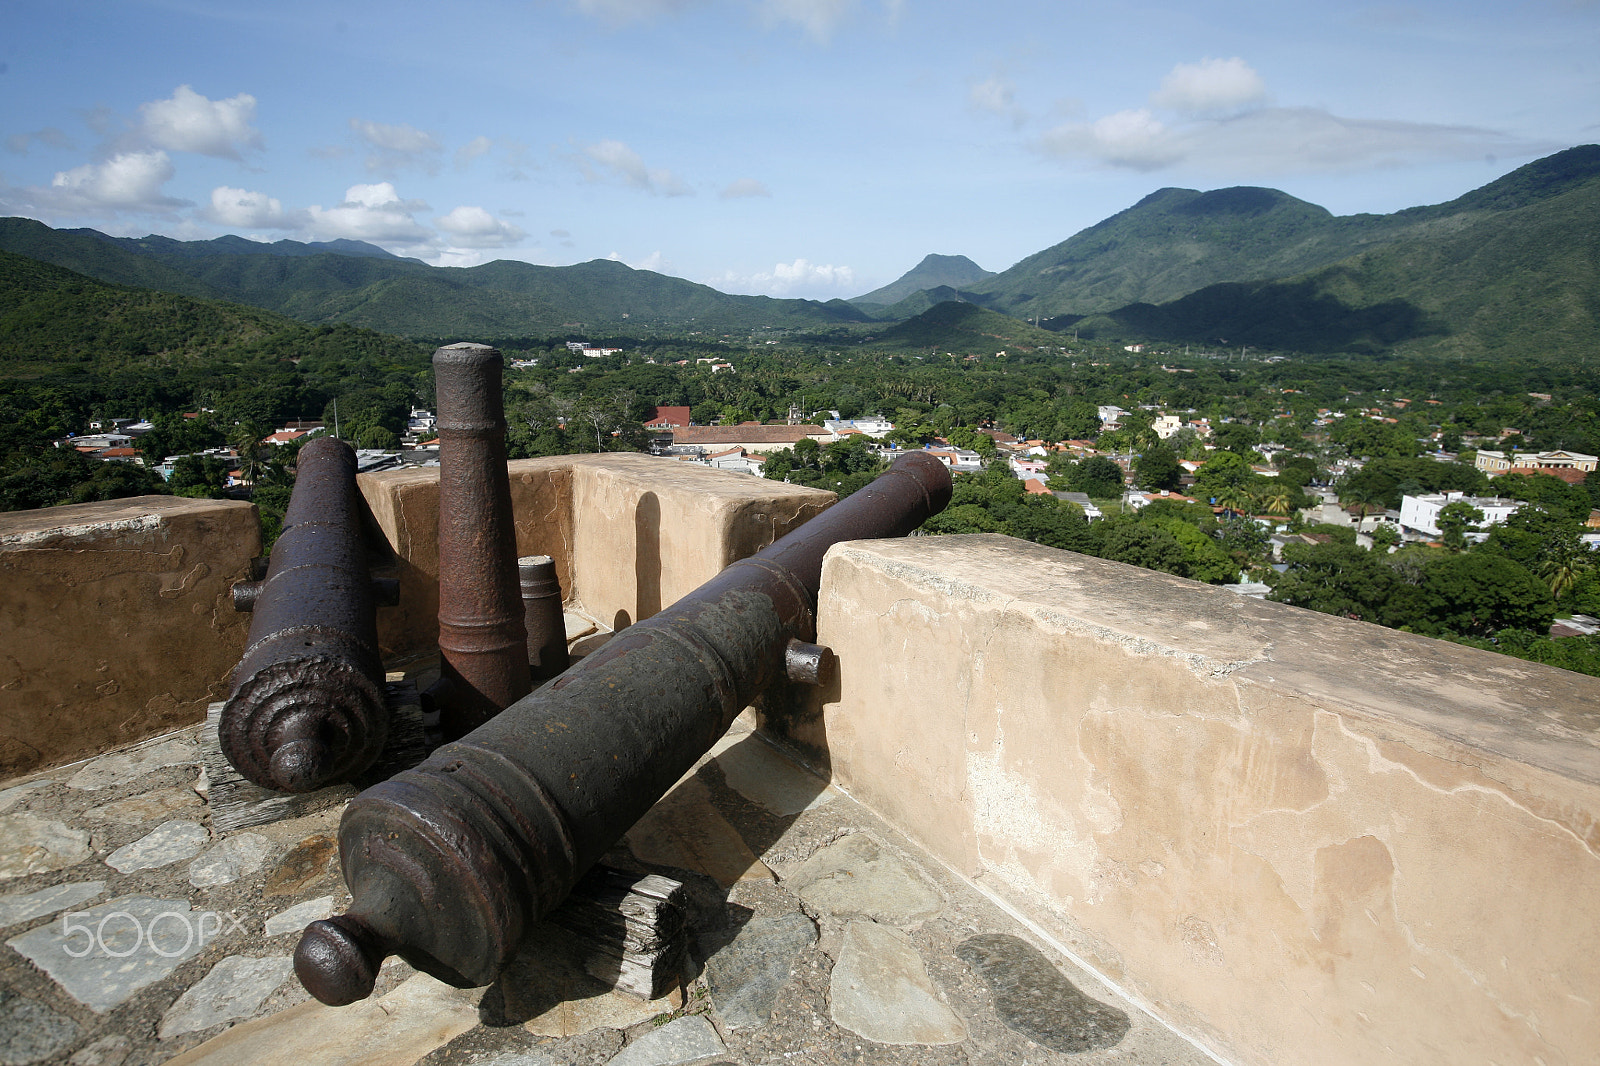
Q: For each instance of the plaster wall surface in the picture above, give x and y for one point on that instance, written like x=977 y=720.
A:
x=629 y=533
x=1295 y=837
x=116 y=622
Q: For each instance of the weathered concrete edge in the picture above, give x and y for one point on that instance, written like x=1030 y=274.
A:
x=1457 y=693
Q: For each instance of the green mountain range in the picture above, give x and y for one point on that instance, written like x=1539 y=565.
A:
x=1511 y=266
x=1177 y=241
x=357 y=284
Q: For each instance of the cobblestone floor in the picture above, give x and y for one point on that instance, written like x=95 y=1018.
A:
x=135 y=934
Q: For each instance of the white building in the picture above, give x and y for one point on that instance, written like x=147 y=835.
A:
x=1026 y=468
x=959 y=460
x=1420 y=514
x=1492 y=462
x=872 y=427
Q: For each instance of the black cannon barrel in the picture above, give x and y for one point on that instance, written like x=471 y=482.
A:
x=307 y=707
x=450 y=863
x=483 y=647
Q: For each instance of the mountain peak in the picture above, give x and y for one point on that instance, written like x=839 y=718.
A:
x=953 y=271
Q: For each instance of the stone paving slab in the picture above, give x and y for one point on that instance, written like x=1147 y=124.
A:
x=235 y=988
x=400 y=1027
x=21 y=906
x=819 y=935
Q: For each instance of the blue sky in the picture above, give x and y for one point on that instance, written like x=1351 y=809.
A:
x=813 y=148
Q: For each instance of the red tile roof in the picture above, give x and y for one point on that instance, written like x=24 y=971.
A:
x=669 y=417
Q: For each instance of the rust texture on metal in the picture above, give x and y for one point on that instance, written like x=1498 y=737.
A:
x=307 y=707
x=450 y=863
x=543 y=616
x=482 y=643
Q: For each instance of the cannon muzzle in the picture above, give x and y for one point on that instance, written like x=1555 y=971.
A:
x=450 y=863
x=307 y=707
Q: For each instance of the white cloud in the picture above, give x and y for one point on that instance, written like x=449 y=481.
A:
x=1212 y=121
x=1134 y=139
x=998 y=96
x=393 y=148
x=243 y=209
x=372 y=213
x=1269 y=141
x=620 y=161
x=50 y=137
x=473 y=227
x=478 y=146
x=188 y=122
x=1210 y=86
x=819 y=18
x=744 y=187
x=130 y=181
x=801 y=278
x=655 y=261
x=455 y=257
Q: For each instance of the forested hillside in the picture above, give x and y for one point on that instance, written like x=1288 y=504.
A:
x=1180 y=241
x=72 y=348
x=407 y=297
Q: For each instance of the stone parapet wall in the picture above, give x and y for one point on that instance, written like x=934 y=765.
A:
x=116 y=622
x=629 y=533
x=1295 y=837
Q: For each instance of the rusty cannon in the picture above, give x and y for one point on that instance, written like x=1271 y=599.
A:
x=307 y=707
x=450 y=864
x=483 y=644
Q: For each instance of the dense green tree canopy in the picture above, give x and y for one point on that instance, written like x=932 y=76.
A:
x=1157 y=469
x=1479 y=593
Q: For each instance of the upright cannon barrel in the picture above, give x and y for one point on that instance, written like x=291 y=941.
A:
x=307 y=707
x=450 y=863
x=483 y=645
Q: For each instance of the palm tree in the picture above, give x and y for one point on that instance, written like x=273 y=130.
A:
x=1364 y=500
x=1276 y=501
x=1236 y=499
x=246 y=440
x=1565 y=563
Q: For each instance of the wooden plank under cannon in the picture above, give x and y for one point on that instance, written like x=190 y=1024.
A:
x=631 y=928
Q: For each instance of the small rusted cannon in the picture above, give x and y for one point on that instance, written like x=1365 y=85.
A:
x=542 y=616
x=307 y=707
x=450 y=863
